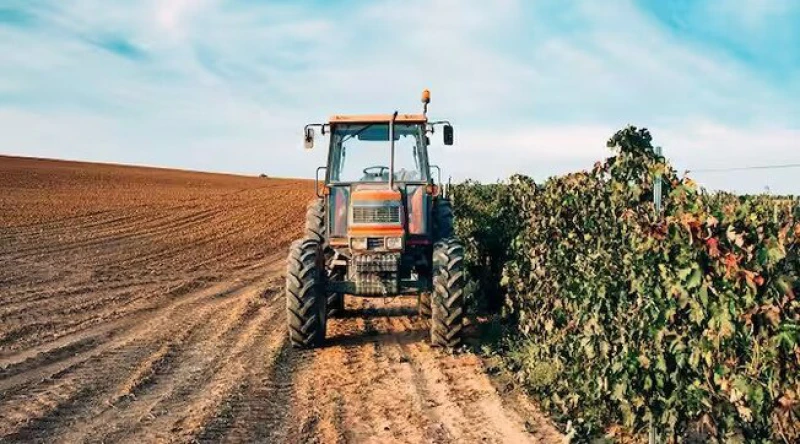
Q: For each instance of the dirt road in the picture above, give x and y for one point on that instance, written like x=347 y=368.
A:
x=144 y=305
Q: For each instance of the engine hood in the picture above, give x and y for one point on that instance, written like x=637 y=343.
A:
x=371 y=193
x=375 y=210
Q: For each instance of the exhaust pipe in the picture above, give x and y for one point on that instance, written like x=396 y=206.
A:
x=391 y=150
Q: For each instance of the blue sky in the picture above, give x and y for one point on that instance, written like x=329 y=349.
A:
x=534 y=87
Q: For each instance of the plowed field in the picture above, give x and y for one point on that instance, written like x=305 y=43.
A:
x=145 y=305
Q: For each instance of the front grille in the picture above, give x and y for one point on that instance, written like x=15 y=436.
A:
x=374 y=263
x=376 y=274
x=375 y=243
x=379 y=215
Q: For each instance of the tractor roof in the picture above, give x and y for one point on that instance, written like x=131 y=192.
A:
x=379 y=118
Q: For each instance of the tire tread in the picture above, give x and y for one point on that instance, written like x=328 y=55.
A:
x=304 y=285
x=447 y=302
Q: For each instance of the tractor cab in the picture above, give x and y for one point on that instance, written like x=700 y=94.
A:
x=359 y=149
x=381 y=213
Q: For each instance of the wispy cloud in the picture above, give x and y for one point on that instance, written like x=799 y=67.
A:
x=15 y=17
x=119 y=46
x=533 y=87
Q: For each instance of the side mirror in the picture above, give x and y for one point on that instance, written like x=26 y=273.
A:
x=309 y=138
x=448 y=134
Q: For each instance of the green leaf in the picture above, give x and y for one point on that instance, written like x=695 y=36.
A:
x=776 y=253
x=703 y=295
x=619 y=391
x=694 y=279
x=696 y=313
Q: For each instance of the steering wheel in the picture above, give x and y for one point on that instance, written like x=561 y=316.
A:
x=380 y=169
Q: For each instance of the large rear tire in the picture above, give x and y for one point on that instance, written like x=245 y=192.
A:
x=315 y=220
x=315 y=229
x=443 y=219
x=447 y=302
x=306 y=303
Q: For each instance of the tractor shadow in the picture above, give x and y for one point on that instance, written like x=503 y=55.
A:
x=381 y=325
x=379 y=312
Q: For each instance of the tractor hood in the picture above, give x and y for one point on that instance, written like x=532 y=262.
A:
x=375 y=210
x=374 y=192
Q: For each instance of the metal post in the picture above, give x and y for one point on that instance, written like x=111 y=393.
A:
x=652 y=433
x=391 y=145
x=653 y=437
x=657 y=187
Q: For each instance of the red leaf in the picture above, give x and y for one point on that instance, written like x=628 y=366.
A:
x=731 y=263
x=713 y=247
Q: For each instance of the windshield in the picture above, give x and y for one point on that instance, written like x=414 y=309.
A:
x=360 y=153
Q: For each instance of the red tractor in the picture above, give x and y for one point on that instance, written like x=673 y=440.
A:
x=381 y=227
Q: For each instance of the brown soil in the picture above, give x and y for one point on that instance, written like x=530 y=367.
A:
x=145 y=305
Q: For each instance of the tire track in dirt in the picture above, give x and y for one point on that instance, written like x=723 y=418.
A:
x=114 y=236
x=379 y=381
x=181 y=397
x=80 y=388
x=51 y=299
x=117 y=325
x=43 y=228
x=55 y=232
x=461 y=393
x=227 y=375
x=62 y=393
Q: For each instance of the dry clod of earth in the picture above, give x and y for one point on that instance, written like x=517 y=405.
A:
x=142 y=305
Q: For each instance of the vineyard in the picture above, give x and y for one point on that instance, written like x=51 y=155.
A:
x=622 y=318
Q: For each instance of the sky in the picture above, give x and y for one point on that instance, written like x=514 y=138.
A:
x=532 y=86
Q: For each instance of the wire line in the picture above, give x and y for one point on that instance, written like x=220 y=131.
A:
x=761 y=167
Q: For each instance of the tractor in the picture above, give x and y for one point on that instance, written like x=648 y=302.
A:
x=381 y=226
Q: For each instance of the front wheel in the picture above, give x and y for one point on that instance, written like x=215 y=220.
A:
x=447 y=301
x=306 y=303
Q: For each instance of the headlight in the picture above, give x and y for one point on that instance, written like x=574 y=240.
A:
x=394 y=243
x=358 y=243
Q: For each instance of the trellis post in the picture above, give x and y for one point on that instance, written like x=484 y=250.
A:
x=657 y=187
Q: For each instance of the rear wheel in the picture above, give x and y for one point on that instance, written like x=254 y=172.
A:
x=315 y=220
x=447 y=301
x=306 y=304
x=315 y=229
x=443 y=219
